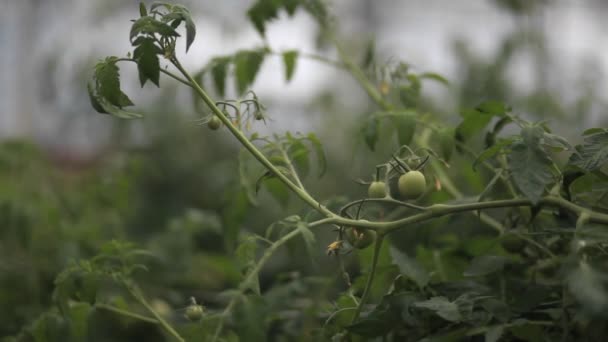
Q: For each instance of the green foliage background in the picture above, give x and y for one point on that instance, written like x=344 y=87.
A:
x=186 y=215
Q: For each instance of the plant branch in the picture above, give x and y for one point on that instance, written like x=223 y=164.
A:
x=125 y=313
x=370 y=278
x=138 y=295
x=250 y=146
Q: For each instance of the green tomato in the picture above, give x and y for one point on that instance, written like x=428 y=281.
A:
x=194 y=312
x=412 y=184
x=360 y=238
x=376 y=190
x=215 y=123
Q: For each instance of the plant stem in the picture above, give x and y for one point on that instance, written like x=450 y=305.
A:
x=125 y=313
x=138 y=295
x=257 y=154
x=370 y=278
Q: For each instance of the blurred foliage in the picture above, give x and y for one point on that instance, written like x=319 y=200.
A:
x=196 y=215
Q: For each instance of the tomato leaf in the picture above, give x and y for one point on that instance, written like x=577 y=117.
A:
x=593 y=154
x=289 y=59
x=148 y=65
x=530 y=169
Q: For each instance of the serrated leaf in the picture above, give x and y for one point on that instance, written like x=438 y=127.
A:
x=556 y=142
x=406 y=127
x=149 y=26
x=442 y=307
x=108 y=80
x=218 y=73
x=593 y=154
x=246 y=66
x=289 y=60
x=410 y=268
x=148 y=65
x=530 y=169
x=485 y=265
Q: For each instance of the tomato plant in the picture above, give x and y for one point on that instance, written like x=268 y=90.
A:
x=506 y=241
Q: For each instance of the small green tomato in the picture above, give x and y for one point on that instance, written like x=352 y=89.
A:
x=412 y=184
x=215 y=123
x=194 y=312
x=377 y=190
x=360 y=238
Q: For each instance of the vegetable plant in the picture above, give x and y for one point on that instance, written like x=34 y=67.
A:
x=533 y=272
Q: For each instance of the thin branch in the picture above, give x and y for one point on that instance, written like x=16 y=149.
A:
x=125 y=313
x=370 y=278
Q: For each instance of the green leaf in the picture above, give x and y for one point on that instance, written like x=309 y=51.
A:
x=556 y=142
x=370 y=132
x=118 y=112
x=142 y=9
x=593 y=154
x=485 y=265
x=493 y=334
x=446 y=143
x=495 y=108
x=278 y=190
x=262 y=12
x=95 y=102
x=190 y=27
x=78 y=316
x=218 y=73
x=291 y=6
x=530 y=169
x=317 y=9
x=150 y=26
x=308 y=235
x=368 y=57
x=148 y=65
x=289 y=59
x=246 y=66
x=473 y=122
x=318 y=147
x=410 y=268
x=435 y=77
x=406 y=127
x=492 y=151
x=442 y=307
x=108 y=80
